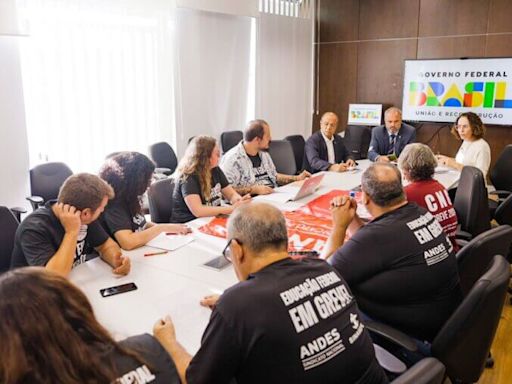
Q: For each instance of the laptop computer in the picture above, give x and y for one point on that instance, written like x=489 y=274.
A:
x=308 y=187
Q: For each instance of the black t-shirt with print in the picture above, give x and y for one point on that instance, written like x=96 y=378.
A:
x=295 y=321
x=402 y=270
x=191 y=186
x=39 y=237
x=117 y=217
x=260 y=172
x=159 y=369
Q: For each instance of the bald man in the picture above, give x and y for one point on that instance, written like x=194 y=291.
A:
x=389 y=140
x=400 y=266
x=325 y=150
x=287 y=321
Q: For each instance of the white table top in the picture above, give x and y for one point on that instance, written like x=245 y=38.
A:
x=173 y=283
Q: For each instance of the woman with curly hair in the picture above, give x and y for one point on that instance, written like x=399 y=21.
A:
x=129 y=174
x=418 y=163
x=201 y=184
x=50 y=335
x=474 y=151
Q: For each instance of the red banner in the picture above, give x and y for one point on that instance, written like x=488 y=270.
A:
x=308 y=227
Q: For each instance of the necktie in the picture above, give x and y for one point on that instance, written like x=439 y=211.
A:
x=392 y=140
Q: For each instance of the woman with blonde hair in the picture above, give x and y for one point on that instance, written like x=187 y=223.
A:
x=200 y=184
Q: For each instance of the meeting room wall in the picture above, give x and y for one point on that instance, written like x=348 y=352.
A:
x=361 y=45
x=14 y=163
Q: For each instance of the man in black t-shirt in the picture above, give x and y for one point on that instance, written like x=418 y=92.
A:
x=191 y=186
x=59 y=234
x=400 y=266
x=287 y=321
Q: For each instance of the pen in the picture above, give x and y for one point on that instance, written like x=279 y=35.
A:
x=170 y=233
x=155 y=253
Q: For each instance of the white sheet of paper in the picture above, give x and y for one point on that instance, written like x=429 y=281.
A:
x=170 y=242
x=277 y=196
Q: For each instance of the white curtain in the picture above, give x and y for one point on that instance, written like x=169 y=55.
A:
x=213 y=73
x=284 y=73
x=98 y=78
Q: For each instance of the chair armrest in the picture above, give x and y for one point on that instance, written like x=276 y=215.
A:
x=392 y=335
x=35 y=201
x=165 y=171
x=500 y=193
x=427 y=367
x=17 y=211
x=463 y=235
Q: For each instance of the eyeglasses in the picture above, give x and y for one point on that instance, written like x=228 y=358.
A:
x=227 y=250
x=462 y=126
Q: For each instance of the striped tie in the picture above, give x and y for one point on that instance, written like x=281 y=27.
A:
x=392 y=140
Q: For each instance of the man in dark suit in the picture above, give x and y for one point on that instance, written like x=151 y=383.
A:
x=389 y=140
x=325 y=150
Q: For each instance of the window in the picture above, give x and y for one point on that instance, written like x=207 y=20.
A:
x=97 y=78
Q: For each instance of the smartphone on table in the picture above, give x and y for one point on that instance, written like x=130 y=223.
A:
x=115 y=290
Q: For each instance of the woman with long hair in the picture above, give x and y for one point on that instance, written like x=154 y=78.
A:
x=474 y=150
x=49 y=334
x=129 y=174
x=201 y=184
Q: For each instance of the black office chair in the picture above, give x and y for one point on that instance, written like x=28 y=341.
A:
x=229 y=139
x=282 y=155
x=164 y=157
x=474 y=258
x=8 y=225
x=426 y=371
x=471 y=204
x=464 y=342
x=45 y=182
x=503 y=214
x=357 y=141
x=160 y=200
x=298 y=143
x=501 y=178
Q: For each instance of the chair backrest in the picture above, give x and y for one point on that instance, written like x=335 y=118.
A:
x=503 y=214
x=163 y=155
x=463 y=343
x=8 y=225
x=471 y=202
x=160 y=200
x=426 y=371
x=282 y=155
x=501 y=175
x=298 y=143
x=357 y=140
x=229 y=139
x=474 y=258
x=46 y=179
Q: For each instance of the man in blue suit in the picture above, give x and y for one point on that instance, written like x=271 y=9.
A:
x=325 y=150
x=389 y=140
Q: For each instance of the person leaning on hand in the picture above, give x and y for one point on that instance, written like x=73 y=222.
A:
x=59 y=235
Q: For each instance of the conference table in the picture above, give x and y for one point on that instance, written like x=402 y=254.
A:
x=173 y=283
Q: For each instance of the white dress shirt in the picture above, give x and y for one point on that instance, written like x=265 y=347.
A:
x=331 y=158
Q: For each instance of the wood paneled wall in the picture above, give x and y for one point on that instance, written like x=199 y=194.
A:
x=361 y=46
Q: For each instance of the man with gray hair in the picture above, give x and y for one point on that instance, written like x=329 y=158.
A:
x=287 y=321
x=389 y=140
x=400 y=266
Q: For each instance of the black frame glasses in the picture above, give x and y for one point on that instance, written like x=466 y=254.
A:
x=227 y=250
